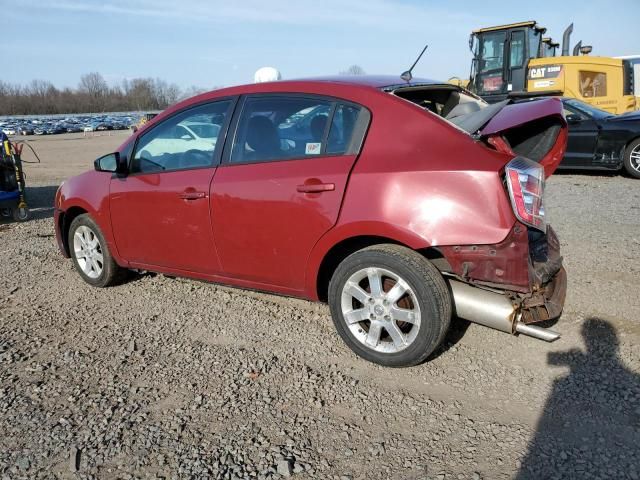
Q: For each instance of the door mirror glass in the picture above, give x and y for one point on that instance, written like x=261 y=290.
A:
x=108 y=163
x=573 y=118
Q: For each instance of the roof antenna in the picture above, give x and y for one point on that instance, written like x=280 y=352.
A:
x=407 y=76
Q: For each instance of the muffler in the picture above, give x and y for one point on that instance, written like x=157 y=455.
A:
x=493 y=310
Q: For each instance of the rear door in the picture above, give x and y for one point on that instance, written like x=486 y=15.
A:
x=281 y=184
x=160 y=210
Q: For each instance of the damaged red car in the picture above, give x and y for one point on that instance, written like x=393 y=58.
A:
x=399 y=203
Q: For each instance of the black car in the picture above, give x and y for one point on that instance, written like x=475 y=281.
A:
x=601 y=140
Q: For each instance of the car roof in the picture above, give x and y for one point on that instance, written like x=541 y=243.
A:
x=386 y=82
x=346 y=82
x=376 y=81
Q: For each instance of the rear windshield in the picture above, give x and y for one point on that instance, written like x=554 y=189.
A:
x=457 y=106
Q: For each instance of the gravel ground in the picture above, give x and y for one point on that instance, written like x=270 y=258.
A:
x=172 y=378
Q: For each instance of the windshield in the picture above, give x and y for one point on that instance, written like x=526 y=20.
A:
x=492 y=51
x=489 y=63
x=586 y=108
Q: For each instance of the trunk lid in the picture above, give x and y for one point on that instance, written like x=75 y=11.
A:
x=535 y=129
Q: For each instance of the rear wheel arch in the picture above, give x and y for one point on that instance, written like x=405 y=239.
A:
x=341 y=250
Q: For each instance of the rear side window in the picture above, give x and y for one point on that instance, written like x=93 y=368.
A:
x=282 y=127
x=278 y=128
x=342 y=128
x=593 y=84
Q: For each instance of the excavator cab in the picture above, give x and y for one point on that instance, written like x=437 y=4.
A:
x=500 y=58
x=515 y=60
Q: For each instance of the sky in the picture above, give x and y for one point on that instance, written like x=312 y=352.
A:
x=209 y=43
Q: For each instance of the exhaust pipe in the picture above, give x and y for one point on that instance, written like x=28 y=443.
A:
x=576 y=49
x=566 y=36
x=537 y=332
x=493 y=310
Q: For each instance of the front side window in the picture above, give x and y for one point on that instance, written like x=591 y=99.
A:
x=184 y=141
x=593 y=84
x=278 y=128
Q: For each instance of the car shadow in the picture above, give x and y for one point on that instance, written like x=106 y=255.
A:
x=590 y=426
x=40 y=202
x=456 y=332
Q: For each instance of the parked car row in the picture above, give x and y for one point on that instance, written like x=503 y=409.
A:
x=69 y=124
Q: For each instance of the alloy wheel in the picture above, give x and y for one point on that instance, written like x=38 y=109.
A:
x=381 y=310
x=88 y=252
x=635 y=158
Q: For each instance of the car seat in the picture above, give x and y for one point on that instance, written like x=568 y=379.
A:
x=317 y=126
x=263 y=138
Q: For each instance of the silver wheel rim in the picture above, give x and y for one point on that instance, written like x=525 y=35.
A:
x=635 y=158
x=88 y=252
x=381 y=310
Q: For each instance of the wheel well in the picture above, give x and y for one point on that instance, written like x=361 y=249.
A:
x=342 y=250
x=65 y=223
x=624 y=150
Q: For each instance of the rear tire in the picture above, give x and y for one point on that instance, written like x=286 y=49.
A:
x=390 y=305
x=632 y=158
x=90 y=254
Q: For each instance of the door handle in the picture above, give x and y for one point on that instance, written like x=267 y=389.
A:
x=192 y=195
x=316 y=187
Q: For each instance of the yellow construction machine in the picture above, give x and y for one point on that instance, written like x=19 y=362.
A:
x=517 y=60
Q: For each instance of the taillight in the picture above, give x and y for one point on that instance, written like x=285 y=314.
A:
x=525 y=180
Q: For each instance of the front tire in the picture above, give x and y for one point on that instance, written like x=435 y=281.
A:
x=90 y=254
x=632 y=158
x=390 y=305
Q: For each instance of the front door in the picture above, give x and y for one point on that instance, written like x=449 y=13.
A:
x=280 y=187
x=160 y=210
x=581 y=141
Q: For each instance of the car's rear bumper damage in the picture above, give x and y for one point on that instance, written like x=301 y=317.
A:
x=509 y=309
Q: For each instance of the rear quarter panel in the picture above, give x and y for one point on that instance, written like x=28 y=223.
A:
x=421 y=182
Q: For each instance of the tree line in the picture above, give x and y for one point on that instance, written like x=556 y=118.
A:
x=92 y=95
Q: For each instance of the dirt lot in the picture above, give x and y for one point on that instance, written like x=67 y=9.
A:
x=170 y=378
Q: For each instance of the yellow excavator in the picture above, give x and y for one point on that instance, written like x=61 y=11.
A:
x=516 y=60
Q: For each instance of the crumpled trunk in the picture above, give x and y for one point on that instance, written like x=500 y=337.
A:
x=535 y=129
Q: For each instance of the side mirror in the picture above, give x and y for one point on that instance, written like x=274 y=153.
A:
x=111 y=163
x=573 y=118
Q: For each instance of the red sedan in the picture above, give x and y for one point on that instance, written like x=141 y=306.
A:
x=400 y=203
